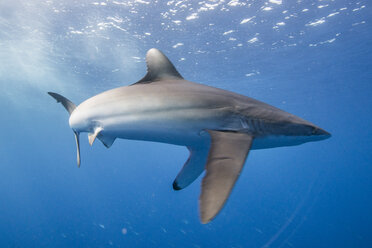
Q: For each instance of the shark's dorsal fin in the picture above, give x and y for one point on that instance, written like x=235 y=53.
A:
x=159 y=68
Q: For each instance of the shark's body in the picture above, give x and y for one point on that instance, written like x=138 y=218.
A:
x=219 y=127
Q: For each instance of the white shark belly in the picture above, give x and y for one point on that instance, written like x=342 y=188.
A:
x=184 y=127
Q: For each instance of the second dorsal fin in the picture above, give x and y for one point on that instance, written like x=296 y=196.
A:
x=159 y=67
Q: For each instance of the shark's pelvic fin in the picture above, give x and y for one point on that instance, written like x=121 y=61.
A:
x=193 y=167
x=159 y=68
x=106 y=140
x=69 y=106
x=225 y=161
x=92 y=136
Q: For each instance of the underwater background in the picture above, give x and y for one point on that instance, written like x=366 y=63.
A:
x=310 y=58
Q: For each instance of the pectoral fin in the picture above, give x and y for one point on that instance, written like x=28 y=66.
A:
x=193 y=167
x=226 y=158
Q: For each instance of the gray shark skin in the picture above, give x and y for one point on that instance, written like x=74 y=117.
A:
x=218 y=127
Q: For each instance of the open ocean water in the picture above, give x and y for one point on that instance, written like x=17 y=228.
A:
x=310 y=58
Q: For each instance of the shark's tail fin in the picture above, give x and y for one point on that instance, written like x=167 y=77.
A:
x=70 y=107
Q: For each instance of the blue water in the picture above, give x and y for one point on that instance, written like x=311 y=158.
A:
x=310 y=58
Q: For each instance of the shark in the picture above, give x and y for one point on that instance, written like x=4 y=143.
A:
x=217 y=126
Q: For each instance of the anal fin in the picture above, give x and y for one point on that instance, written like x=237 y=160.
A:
x=92 y=136
x=103 y=137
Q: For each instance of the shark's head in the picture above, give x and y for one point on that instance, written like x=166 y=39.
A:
x=303 y=133
x=300 y=130
x=290 y=133
x=309 y=132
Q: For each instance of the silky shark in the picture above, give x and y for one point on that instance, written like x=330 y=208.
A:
x=218 y=127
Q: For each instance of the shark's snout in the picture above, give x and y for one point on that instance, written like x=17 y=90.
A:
x=320 y=134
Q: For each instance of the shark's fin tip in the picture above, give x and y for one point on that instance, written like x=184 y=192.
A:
x=205 y=221
x=176 y=187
